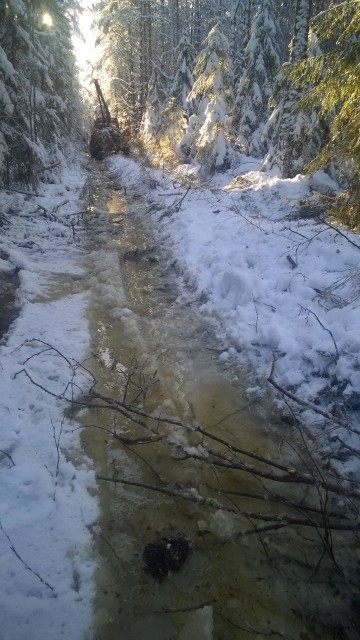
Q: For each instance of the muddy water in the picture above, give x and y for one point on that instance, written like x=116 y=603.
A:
x=230 y=586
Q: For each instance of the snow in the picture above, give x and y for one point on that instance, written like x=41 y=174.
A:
x=5 y=99
x=280 y=285
x=5 y=65
x=46 y=557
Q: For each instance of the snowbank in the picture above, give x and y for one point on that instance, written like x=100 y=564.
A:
x=46 y=562
x=281 y=284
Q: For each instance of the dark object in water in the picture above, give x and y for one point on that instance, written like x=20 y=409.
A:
x=167 y=554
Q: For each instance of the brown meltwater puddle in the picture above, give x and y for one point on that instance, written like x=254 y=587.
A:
x=231 y=586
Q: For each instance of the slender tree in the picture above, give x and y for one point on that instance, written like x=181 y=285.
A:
x=151 y=124
x=183 y=80
x=177 y=111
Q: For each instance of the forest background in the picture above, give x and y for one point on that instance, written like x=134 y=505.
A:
x=199 y=80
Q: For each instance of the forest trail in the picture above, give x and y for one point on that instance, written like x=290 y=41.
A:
x=257 y=586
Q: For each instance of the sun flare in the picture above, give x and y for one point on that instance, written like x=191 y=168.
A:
x=47 y=20
x=85 y=49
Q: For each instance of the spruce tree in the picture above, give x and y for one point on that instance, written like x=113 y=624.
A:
x=208 y=134
x=38 y=91
x=183 y=80
x=331 y=84
x=256 y=84
x=151 y=123
x=295 y=135
x=178 y=109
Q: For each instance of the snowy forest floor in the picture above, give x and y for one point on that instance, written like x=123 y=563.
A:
x=46 y=509
x=282 y=289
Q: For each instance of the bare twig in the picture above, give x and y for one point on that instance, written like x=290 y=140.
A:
x=192 y=496
x=111 y=547
x=249 y=629
x=57 y=438
x=337 y=230
x=25 y=193
x=175 y=206
x=308 y=311
x=195 y=607
x=257 y=315
x=11 y=461
x=51 y=166
x=304 y=403
x=16 y=553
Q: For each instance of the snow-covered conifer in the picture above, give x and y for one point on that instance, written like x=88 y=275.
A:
x=38 y=92
x=330 y=83
x=178 y=109
x=207 y=136
x=183 y=80
x=151 y=123
x=294 y=134
x=256 y=84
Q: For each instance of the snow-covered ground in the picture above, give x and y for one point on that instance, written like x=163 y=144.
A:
x=283 y=286
x=46 y=558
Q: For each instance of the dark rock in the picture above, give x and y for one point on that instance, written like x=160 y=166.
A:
x=166 y=554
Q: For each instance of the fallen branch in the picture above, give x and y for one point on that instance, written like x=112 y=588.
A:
x=195 y=607
x=175 y=206
x=337 y=230
x=291 y=262
x=25 y=193
x=305 y=403
x=293 y=475
x=249 y=629
x=142 y=440
x=155 y=437
x=276 y=498
x=314 y=510
x=281 y=519
x=174 y=193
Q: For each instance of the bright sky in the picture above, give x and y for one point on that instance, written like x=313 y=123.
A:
x=85 y=50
